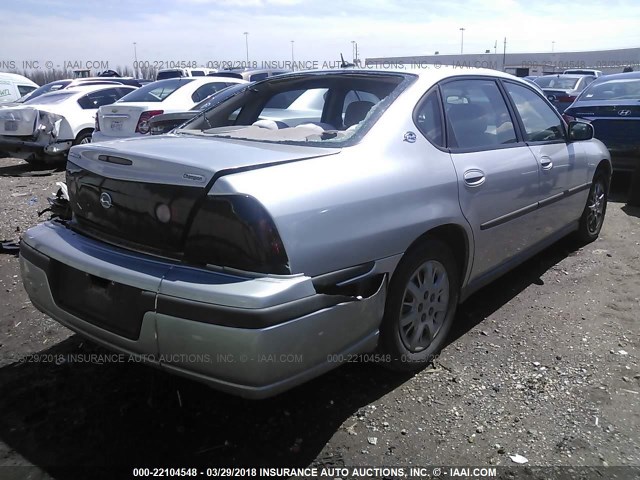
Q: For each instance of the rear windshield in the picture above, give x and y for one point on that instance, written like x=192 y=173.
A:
x=51 y=98
x=156 y=91
x=307 y=109
x=628 y=89
x=561 y=83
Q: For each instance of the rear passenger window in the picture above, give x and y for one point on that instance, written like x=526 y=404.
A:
x=98 y=99
x=429 y=120
x=476 y=114
x=541 y=122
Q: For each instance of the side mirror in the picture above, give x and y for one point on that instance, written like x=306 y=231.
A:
x=580 y=131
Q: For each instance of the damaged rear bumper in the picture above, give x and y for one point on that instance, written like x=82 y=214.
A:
x=43 y=144
x=250 y=336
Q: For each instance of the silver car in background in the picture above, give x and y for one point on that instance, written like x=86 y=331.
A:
x=254 y=253
x=562 y=89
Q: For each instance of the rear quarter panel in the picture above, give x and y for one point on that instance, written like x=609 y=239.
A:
x=370 y=201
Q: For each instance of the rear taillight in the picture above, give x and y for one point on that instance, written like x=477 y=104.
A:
x=143 y=121
x=566 y=99
x=97 y=126
x=236 y=231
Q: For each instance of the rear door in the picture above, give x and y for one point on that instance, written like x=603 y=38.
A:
x=563 y=165
x=497 y=173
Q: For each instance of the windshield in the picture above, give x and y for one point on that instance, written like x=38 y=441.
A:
x=627 y=89
x=561 y=83
x=156 y=91
x=310 y=109
x=51 y=98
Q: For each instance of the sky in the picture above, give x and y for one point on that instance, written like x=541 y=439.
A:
x=208 y=31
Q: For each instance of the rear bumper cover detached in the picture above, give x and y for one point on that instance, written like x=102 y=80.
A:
x=254 y=336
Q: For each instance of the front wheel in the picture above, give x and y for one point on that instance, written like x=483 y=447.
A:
x=82 y=138
x=595 y=209
x=420 y=308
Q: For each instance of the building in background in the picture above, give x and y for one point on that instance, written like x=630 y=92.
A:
x=524 y=64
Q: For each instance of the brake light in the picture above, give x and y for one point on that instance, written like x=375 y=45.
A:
x=566 y=98
x=97 y=125
x=143 y=121
x=236 y=231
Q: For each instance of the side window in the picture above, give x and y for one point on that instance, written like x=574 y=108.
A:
x=205 y=90
x=476 y=114
x=98 y=99
x=24 y=89
x=428 y=118
x=541 y=122
x=123 y=91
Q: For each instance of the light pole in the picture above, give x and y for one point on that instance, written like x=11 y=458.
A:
x=553 y=45
x=135 y=57
x=292 y=60
x=354 y=45
x=461 y=40
x=246 y=44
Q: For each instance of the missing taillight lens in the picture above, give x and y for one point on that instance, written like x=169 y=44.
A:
x=143 y=121
x=236 y=231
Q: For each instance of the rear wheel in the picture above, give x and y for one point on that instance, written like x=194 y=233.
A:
x=595 y=209
x=420 y=308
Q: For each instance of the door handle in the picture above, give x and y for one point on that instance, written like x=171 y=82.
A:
x=473 y=177
x=546 y=163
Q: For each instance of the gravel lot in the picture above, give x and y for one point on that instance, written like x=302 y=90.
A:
x=543 y=363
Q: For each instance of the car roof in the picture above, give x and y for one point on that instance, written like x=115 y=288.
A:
x=427 y=74
x=80 y=90
x=17 y=78
x=567 y=75
x=619 y=76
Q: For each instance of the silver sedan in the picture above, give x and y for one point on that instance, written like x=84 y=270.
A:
x=311 y=219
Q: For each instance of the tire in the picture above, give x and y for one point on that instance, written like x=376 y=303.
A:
x=421 y=305
x=82 y=138
x=594 y=211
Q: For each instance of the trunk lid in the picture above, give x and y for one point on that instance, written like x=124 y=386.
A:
x=18 y=121
x=121 y=119
x=143 y=193
x=616 y=124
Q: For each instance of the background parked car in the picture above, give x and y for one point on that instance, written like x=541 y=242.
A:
x=252 y=75
x=561 y=89
x=13 y=86
x=165 y=122
x=583 y=71
x=612 y=105
x=165 y=73
x=129 y=117
x=43 y=129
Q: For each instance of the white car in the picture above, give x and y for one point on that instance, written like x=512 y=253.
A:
x=44 y=128
x=14 y=86
x=129 y=117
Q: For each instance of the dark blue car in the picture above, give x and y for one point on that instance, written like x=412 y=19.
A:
x=612 y=105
